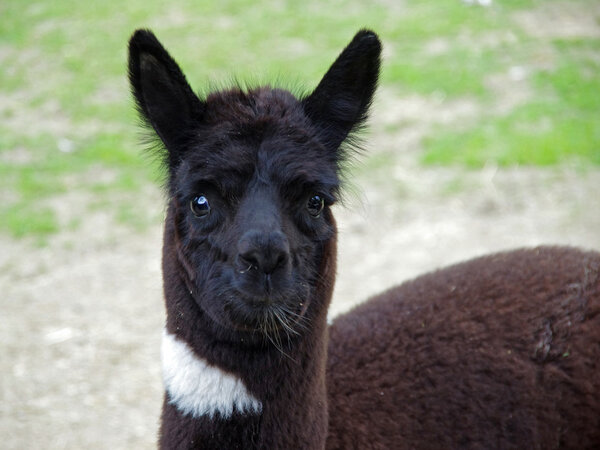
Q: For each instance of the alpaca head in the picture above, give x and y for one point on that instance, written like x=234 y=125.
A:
x=251 y=179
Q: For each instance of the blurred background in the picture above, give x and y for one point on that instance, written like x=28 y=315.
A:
x=485 y=135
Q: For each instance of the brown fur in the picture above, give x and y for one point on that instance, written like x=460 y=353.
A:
x=498 y=352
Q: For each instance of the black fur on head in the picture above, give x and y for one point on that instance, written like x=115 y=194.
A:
x=252 y=176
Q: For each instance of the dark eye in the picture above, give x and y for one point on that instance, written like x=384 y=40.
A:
x=315 y=205
x=200 y=206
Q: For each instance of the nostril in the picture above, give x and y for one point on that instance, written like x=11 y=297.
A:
x=248 y=261
x=281 y=260
x=274 y=260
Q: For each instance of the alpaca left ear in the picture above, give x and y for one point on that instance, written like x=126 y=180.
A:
x=340 y=103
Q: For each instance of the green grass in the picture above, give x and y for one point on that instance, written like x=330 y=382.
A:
x=65 y=104
x=558 y=124
x=24 y=219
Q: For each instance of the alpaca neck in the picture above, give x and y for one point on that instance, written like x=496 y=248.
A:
x=274 y=403
x=223 y=394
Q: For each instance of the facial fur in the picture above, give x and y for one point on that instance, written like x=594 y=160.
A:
x=258 y=188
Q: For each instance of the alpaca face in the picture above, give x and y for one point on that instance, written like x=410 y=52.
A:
x=252 y=176
x=252 y=206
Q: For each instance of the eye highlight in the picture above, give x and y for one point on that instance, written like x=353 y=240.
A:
x=200 y=206
x=315 y=205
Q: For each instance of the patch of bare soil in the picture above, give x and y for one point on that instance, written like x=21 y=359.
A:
x=81 y=318
x=80 y=327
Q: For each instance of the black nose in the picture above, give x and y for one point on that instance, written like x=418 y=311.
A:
x=262 y=251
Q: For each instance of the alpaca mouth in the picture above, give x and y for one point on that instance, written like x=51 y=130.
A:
x=268 y=316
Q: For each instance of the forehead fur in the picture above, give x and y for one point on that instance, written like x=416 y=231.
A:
x=260 y=104
x=263 y=131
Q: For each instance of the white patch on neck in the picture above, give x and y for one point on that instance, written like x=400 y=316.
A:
x=197 y=388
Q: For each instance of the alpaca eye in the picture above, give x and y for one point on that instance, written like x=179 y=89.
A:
x=200 y=206
x=315 y=205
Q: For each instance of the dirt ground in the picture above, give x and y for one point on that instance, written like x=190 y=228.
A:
x=81 y=319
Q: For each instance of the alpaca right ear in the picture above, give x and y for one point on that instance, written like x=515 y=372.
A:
x=340 y=103
x=164 y=98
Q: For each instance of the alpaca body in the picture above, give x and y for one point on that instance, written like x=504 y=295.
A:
x=502 y=351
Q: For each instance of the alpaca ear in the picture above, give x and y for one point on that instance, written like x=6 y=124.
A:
x=340 y=103
x=164 y=98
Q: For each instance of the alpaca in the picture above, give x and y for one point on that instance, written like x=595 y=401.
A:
x=499 y=352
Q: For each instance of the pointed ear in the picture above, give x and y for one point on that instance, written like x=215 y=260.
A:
x=163 y=96
x=340 y=103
